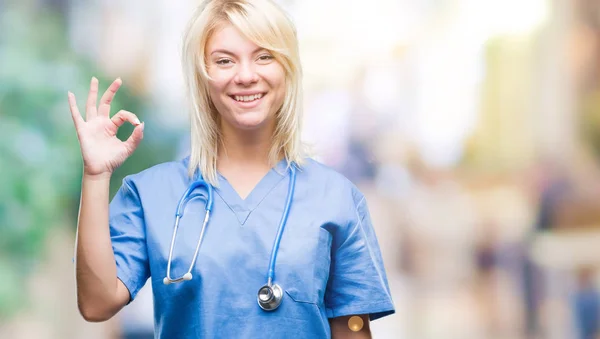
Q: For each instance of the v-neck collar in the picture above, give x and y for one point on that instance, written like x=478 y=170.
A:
x=243 y=207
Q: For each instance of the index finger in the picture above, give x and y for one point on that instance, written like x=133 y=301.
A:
x=90 y=110
x=108 y=96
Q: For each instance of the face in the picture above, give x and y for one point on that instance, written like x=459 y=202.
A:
x=248 y=84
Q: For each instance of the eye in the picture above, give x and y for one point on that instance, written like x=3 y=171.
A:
x=265 y=58
x=223 y=62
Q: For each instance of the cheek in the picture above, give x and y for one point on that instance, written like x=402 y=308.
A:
x=220 y=79
x=278 y=82
x=216 y=89
x=281 y=89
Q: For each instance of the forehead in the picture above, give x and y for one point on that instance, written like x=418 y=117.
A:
x=228 y=38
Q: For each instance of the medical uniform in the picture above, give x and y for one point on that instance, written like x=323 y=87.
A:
x=328 y=264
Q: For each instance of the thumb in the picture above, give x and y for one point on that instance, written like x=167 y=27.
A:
x=134 y=139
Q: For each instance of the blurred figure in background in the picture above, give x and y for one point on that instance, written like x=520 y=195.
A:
x=553 y=187
x=586 y=304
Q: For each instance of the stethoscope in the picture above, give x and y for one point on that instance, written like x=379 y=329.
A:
x=270 y=295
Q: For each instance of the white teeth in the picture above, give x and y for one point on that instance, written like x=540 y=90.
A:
x=246 y=98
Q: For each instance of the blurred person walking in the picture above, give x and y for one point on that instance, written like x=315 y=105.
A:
x=586 y=306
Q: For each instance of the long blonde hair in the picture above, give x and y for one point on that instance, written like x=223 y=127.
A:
x=265 y=24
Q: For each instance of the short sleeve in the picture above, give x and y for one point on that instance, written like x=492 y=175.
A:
x=128 y=237
x=357 y=280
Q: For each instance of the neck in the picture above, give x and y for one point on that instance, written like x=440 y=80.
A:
x=247 y=149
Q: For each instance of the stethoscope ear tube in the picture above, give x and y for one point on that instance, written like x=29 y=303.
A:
x=188 y=275
x=169 y=281
x=178 y=215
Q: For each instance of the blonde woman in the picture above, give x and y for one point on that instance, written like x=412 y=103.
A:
x=269 y=243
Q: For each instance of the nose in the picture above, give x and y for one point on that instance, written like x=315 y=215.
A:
x=246 y=74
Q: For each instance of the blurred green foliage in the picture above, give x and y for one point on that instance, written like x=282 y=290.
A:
x=40 y=161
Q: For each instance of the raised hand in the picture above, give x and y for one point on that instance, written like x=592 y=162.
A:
x=101 y=150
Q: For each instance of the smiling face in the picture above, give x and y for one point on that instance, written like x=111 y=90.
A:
x=247 y=85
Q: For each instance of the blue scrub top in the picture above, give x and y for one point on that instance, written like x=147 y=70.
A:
x=329 y=262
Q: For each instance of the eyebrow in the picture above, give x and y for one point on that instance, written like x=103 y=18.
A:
x=224 y=51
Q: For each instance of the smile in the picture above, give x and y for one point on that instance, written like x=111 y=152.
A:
x=247 y=98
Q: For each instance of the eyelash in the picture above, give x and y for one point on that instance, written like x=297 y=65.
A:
x=266 y=57
x=262 y=58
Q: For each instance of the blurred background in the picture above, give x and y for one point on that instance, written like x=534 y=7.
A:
x=472 y=127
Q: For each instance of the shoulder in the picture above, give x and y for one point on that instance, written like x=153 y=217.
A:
x=163 y=174
x=332 y=183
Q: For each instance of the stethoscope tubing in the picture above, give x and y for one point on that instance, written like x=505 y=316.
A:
x=187 y=196
x=282 y=223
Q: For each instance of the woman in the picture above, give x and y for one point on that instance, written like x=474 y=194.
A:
x=317 y=277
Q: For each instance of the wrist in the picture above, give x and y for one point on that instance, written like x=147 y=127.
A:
x=97 y=177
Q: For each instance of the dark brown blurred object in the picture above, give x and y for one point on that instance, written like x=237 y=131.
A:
x=576 y=213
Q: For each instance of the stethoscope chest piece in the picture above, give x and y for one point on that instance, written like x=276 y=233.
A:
x=270 y=297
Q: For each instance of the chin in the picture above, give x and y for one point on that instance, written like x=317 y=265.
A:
x=251 y=121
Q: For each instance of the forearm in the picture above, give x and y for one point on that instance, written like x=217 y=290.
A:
x=96 y=271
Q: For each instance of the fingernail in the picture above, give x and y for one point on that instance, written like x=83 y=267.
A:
x=142 y=128
x=119 y=79
x=137 y=121
x=94 y=79
x=69 y=93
